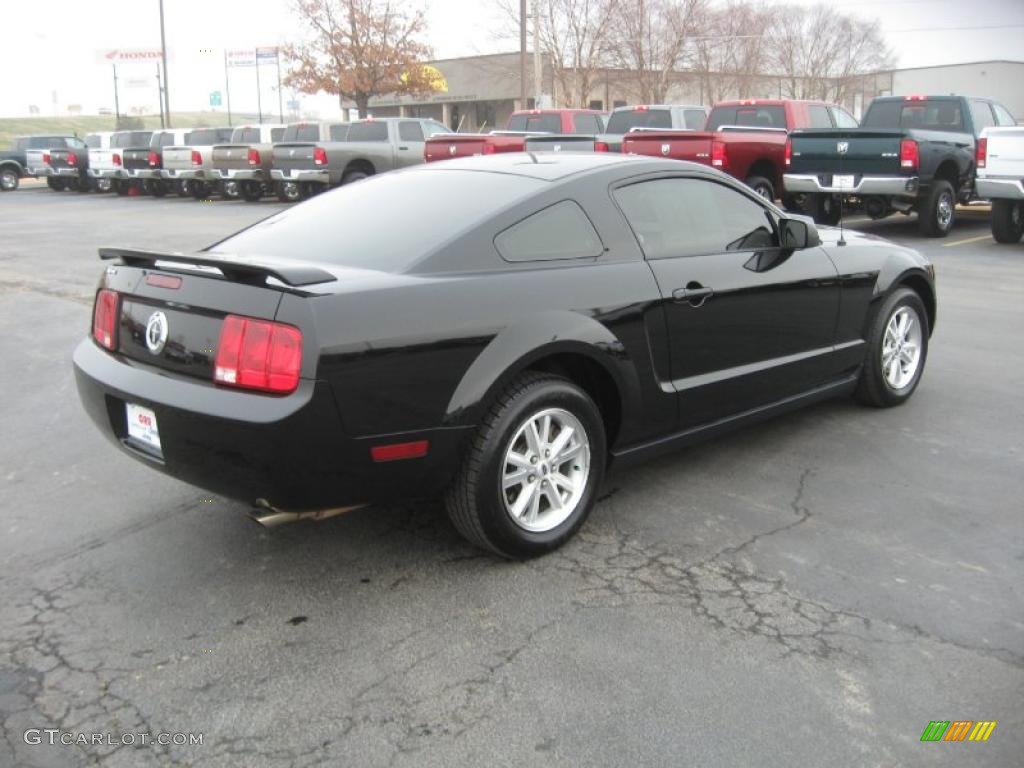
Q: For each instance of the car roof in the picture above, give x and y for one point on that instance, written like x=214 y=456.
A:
x=630 y=107
x=552 y=166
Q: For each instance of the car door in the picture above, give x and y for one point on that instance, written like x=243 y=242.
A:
x=749 y=323
x=410 y=144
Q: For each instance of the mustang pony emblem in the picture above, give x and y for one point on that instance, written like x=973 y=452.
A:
x=156 y=332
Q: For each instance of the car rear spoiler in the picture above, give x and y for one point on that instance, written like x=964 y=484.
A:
x=233 y=268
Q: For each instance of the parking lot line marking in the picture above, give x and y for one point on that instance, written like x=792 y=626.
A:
x=977 y=239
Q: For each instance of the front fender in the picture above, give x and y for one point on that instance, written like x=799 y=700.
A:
x=542 y=335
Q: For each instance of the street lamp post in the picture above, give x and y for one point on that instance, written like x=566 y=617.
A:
x=163 y=56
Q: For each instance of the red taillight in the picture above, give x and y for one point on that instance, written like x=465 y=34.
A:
x=915 y=97
x=488 y=149
x=909 y=156
x=72 y=158
x=46 y=158
x=981 y=154
x=154 y=159
x=320 y=156
x=197 y=159
x=116 y=159
x=258 y=354
x=601 y=146
x=641 y=108
x=254 y=157
x=719 y=157
x=787 y=157
x=396 y=451
x=104 y=319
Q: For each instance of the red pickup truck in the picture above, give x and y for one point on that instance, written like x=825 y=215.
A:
x=577 y=122
x=746 y=139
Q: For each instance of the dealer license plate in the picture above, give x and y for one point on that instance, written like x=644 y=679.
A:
x=843 y=182
x=142 y=425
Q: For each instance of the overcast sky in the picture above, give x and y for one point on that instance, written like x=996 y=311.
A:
x=56 y=47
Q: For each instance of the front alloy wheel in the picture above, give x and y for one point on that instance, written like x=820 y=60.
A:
x=896 y=350
x=901 y=348
x=8 y=179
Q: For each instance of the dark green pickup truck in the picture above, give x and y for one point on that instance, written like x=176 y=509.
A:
x=911 y=153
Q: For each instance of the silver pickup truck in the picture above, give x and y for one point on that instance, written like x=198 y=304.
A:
x=292 y=155
x=185 y=165
x=242 y=167
x=366 y=148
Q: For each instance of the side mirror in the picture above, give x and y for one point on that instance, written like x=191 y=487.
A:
x=797 y=233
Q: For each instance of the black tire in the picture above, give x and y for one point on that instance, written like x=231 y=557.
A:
x=250 y=191
x=762 y=187
x=793 y=203
x=308 y=189
x=120 y=187
x=1007 y=220
x=183 y=188
x=154 y=187
x=937 y=212
x=351 y=176
x=824 y=209
x=287 y=192
x=101 y=185
x=229 y=190
x=200 y=190
x=475 y=500
x=874 y=388
x=9 y=179
x=81 y=184
x=57 y=185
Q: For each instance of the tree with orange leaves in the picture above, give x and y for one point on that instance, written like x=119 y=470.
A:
x=359 y=49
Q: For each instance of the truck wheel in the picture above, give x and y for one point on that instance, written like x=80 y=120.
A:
x=793 y=203
x=287 y=191
x=533 y=470
x=183 y=188
x=1007 y=220
x=57 y=185
x=229 y=190
x=82 y=184
x=825 y=209
x=308 y=189
x=200 y=190
x=935 y=217
x=896 y=353
x=762 y=186
x=251 y=191
x=101 y=184
x=120 y=187
x=9 y=180
x=154 y=187
x=351 y=176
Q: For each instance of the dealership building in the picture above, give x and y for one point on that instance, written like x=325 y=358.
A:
x=480 y=92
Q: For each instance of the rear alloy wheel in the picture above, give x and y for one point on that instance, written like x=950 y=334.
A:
x=251 y=191
x=200 y=190
x=287 y=191
x=762 y=187
x=1007 y=220
x=229 y=190
x=532 y=474
x=935 y=218
x=101 y=184
x=897 y=349
x=9 y=179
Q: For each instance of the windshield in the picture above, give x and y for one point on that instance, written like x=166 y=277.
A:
x=352 y=225
x=625 y=120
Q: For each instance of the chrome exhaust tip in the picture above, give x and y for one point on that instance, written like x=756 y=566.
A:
x=270 y=517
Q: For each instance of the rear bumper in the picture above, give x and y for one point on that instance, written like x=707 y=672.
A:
x=144 y=173
x=236 y=174
x=173 y=174
x=1000 y=189
x=288 y=450
x=63 y=173
x=114 y=173
x=891 y=186
x=297 y=175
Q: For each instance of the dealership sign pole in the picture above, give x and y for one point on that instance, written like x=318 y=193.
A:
x=163 y=56
x=227 y=86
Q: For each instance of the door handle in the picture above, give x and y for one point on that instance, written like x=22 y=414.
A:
x=694 y=293
x=403 y=147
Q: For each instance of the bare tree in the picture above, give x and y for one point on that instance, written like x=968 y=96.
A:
x=359 y=49
x=820 y=54
x=650 y=42
x=734 y=53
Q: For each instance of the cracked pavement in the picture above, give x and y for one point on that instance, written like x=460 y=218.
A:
x=810 y=591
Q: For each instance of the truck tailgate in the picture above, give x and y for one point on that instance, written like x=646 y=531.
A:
x=61 y=158
x=469 y=144
x=855 y=151
x=293 y=155
x=177 y=158
x=134 y=159
x=694 y=146
x=1005 y=153
x=231 y=156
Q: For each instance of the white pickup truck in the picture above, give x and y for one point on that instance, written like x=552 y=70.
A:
x=1000 y=156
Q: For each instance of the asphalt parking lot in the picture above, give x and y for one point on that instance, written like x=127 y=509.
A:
x=812 y=591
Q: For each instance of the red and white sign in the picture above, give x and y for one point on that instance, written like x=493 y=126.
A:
x=129 y=55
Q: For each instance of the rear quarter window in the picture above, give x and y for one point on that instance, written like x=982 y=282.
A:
x=625 y=120
x=817 y=116
x=695 y=119
x=304 y=132
x=560 y=231
x=338 y=132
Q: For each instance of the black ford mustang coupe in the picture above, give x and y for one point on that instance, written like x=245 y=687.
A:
x=496 y=330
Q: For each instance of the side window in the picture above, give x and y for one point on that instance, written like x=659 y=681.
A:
x=586 y=124
x=981 y=115
x=276 y=134
x=409 y=130
x=817 y=116
x=560 y=231
x=75 y=143
x=1003 y=116
x=694 y=217
x=338 y=131
x=695 y=119
x=843 y=118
